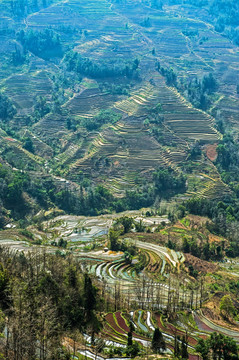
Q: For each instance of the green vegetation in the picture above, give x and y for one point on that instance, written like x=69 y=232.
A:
x=44 y=44
x=158 y=343
x=85 y=66
x=220 y=346
x=52 y=300
x=224 y=216
x=226 y=306
x=7 y=109
x=103 y=117
x=109 y=106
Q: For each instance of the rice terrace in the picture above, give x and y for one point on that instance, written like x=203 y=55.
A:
x=119 y=179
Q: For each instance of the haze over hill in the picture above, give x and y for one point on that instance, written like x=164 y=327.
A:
x=106 y=93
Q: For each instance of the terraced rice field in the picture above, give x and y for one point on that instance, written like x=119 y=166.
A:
x=23 y=89
x=207 y=325
x=94 y=14
x=146 y=279
x=17 y=156
x=51 y=127
x=130 y=148
x=137 y=103
x=185 y=121
x=116 y=328
x=89 y=102
x=128 y=145
x=207 y=185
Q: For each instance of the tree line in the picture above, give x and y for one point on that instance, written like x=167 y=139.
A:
x=87 y=67
x=44 y=43
x=43 y=298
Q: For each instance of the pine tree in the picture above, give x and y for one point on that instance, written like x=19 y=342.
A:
x=184 y=348
x=158 y=343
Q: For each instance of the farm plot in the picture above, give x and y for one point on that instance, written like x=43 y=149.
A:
x=154 y=259
x=169 y=256
x=117 y=327
x=17 y=156
x=41 y=148
x=124 y=160
x=24 y=88
x=209 y=326
x=138 y=102
x=146 y=278
x=229 y=110
x=170 y=330
x=115 y=270
x=129 y=149
x=89 y=102
x=170 y=43
x=51 y=127
x=128 y=146
x=111 y=47
x=76 y=13
x=185 y=121
x=212 y=45
x=207 y=184
x=55 y=16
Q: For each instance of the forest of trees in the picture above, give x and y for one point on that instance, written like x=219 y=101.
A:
x=225 y=219
x=7 y=109
x=198 y=92
x=103 y=117
x=219 y=347
x=21 y=8
x=85 y=66
x=42 y=297
x=44 y=43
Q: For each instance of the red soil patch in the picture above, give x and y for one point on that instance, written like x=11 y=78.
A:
x=171 y=330
x=193 y=357
x=211 y=151
x=201 y=324
x=121 y=321
x=110 y=319
x=123 y=325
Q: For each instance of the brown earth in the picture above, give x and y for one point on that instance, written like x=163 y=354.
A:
x=211 y=151
x=199 y=265
x=211 y=310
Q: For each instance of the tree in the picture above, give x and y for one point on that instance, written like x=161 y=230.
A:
x=221 y=346
x=7 y=109
x=133 y=349
x=209 y=83
x=184 y=348
x=28 y=145
x=90 y=302
x=226 y=306
x=139 y=226
x=203 y=347
x=129 y=340
x=113 y=236
x=158 y=343
x=127 y=223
